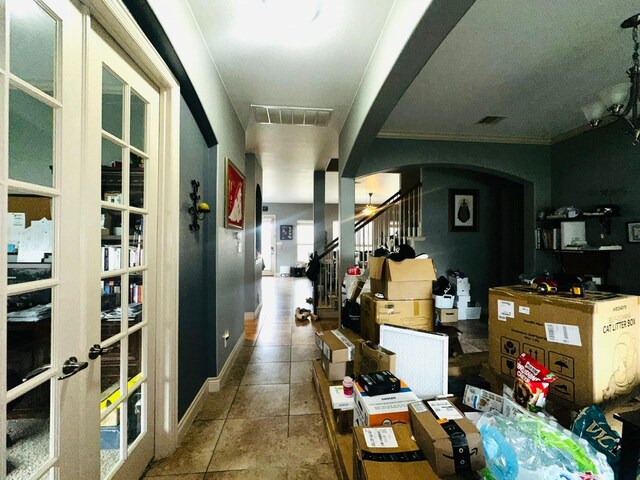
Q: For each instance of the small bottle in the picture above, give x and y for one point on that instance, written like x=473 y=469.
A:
x=347 y=385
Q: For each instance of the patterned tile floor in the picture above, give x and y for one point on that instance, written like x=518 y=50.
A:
x=265 y=423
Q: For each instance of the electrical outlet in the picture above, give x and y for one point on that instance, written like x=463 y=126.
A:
x=225 y=336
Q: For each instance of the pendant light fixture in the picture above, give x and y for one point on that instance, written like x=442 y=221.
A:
x=370 y=208
x=621 y=100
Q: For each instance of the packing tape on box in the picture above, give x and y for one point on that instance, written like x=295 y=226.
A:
x=350 y=346
x=459 y=445
x=404 y=457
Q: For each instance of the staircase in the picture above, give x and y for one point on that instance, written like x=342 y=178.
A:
x=396 y=221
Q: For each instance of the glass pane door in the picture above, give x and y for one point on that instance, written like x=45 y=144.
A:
x=127 y=139
x=39 y=232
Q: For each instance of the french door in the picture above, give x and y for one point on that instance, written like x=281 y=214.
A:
x=78 y=186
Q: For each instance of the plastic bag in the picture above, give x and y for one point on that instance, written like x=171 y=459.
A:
x=532 y=447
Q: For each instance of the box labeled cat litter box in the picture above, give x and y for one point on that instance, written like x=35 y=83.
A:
x=591 y=344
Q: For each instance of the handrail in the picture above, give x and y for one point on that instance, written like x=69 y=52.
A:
x=360 y=224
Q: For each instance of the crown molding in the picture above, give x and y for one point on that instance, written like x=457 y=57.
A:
x=455 y=137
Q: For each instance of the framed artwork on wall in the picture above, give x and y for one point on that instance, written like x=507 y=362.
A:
x=463 y=210
x=286 y=232
x=633 y=232
x=233 y=196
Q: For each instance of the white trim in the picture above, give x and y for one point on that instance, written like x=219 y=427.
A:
x=454 y=137
x=118 y=22
x=210 y=385
x=253 y=315
x=192 y=412
x=216 y=383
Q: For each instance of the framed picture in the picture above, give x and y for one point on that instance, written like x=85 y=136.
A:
x=633 y=232
x=463 y=210
x=286 y=232
x=233 y=196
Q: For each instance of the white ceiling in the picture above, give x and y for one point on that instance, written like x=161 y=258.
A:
x=535 y=63
x=265 y=61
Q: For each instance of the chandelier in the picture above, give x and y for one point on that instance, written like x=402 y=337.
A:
x=370 y=209
x=621 y=100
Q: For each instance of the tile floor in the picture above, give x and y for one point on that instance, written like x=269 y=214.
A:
x=265 y=423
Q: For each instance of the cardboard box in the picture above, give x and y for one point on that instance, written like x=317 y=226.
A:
x=342 y=409
x=463 y=289
x=417 y=314
x=385 y=409
x=447 y=315
x=336 y=371
x=449 y=440
x=372 y=463
x=590 y=344
x=406 y=280
x=338 y=345
x=463 y=301
x=374 y=358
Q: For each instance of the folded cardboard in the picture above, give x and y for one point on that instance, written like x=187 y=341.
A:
x=418 y=314
x=374 y=358
x=449 y=440
x=408 y=279
x=447 y=315
x=402 y=461
x=382 y=409
x=590 y=344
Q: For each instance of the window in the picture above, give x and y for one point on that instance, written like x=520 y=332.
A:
x=304 y=240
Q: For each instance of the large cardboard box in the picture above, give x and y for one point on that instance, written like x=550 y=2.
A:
x=387 y=409
x=336 y=371
x=406 y=280
x=404 y=462
x=417 y=314
x=591 y=344
x=450 y=441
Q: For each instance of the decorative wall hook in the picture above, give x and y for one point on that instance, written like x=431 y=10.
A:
x=198 y=210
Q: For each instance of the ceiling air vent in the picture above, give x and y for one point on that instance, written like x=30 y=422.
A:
x=489 y=120
x=311 y=117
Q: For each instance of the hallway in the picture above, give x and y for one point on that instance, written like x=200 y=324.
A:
x=265 y=423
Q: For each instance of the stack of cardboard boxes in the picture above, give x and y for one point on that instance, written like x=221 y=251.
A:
x=406 y=288
x=452 y=308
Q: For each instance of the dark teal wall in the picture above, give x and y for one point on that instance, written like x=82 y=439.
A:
x=478 y=254
x=528 y=165
x=598 y=167
x=197 y=281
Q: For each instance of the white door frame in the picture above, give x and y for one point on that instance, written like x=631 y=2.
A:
x=118 y=22
x=273 y=245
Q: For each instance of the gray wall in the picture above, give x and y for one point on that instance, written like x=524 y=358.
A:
x=598 y=167
x=289 y=214
x=195 y=292
x=253 y=263
x=528 y=165
x=177 y=20
x=475 y=253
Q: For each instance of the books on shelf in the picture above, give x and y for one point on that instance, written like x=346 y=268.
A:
x=547 y=238
x=112 y=257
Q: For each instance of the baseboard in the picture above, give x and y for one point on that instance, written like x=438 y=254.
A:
x=216 y=383
x=192 y=412
x=253 y=315
x=210 y=385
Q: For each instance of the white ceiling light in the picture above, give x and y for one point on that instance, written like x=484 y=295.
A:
x=293 y=13
x=621 y=100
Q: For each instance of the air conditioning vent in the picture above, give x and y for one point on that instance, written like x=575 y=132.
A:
x=489 y=120
x=310 y=117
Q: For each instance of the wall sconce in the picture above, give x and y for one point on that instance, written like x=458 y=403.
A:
x=198 y=210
